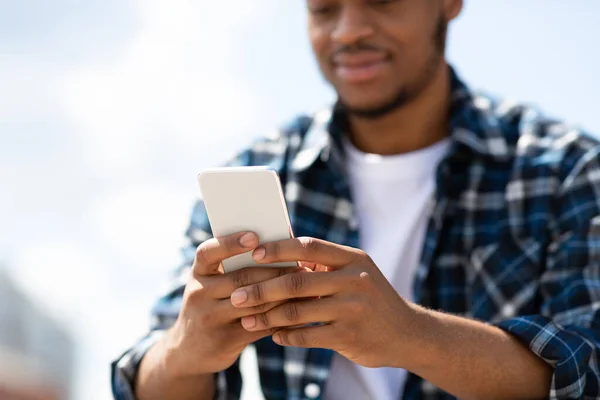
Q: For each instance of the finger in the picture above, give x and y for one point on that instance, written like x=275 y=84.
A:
x=311 y=250
x=294 y=313
x=211 y=252
x=254 y=336
x=322 y=336
x=315 y=267
x=309 y=265
x=242 y=337
x=292 y=286
x=225 y=312
x=222 y=286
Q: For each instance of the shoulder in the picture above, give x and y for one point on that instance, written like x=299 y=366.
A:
x=535 y=140
x=551 y=161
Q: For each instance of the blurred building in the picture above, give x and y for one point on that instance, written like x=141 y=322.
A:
x=36 y=353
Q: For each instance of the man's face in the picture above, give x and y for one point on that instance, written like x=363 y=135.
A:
x=378 y=54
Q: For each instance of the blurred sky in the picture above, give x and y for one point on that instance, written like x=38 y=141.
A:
x=109 y=108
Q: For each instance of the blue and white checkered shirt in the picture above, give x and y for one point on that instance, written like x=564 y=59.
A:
x=513 y=239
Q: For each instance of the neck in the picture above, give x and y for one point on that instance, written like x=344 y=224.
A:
x=418 y=124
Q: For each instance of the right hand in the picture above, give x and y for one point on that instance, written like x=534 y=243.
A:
x=208 y=336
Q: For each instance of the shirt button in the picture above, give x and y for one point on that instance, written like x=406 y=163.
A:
x=312 y=390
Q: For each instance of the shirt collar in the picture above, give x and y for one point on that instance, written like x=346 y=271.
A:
x=474 y=122
x=472 y=125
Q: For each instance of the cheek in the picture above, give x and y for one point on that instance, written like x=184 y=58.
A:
x=414 y=47
x=320 y=43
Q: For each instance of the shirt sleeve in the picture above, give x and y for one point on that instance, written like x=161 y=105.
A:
x=166 y=310
x=566 y=333
x=164 y=314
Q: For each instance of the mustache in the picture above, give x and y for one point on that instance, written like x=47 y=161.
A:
x=356 y=48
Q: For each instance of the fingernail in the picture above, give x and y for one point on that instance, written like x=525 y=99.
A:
x=247 y=240
x=239 y=297
x=259 y=254
x=277 y=338
x=249 y=322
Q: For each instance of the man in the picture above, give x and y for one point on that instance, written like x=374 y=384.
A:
x=478 y=224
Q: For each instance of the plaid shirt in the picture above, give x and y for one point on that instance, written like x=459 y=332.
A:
x=513 y=240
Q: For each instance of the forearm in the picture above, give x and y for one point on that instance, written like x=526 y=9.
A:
x=155 y=381
x=472 y=360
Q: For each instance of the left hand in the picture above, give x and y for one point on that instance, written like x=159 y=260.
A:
x=364 y=318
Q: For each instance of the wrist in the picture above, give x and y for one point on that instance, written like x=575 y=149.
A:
x=419 y=340
x=174 y=363
x=169 y=360
x=160 y=377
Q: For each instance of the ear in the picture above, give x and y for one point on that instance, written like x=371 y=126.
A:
x=452 y=9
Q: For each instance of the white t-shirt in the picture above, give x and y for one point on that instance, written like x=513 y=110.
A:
x=391 y=196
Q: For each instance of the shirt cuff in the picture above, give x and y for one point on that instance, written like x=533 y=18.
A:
x=570 y=353
x=125 y=368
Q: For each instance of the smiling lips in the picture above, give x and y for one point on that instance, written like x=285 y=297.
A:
x=359 y=67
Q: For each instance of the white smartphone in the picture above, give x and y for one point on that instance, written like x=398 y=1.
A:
x=239 y=199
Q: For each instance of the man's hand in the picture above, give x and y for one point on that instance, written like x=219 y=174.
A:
x=363 y=316
x=365 y=320
x=207 y=336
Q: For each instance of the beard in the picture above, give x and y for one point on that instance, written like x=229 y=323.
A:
x=409 y=92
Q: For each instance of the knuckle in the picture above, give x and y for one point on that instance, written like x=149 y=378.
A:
x=362 y=258
x=291 y=312
x=203 y=253
x=274 y=250
x=294 y=283
x=240 y=278
x=229 y=243
x=302 y=339
x=285 y=271
x=195 y=292
x=368 y=261
x=361 y=253
x=263 y=319
x=256 y=292
x=309 y=245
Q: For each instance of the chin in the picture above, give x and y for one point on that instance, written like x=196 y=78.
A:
x=372 y=108
x=362 y=101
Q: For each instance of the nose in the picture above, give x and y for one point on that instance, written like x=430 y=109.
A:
x=352 y=26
